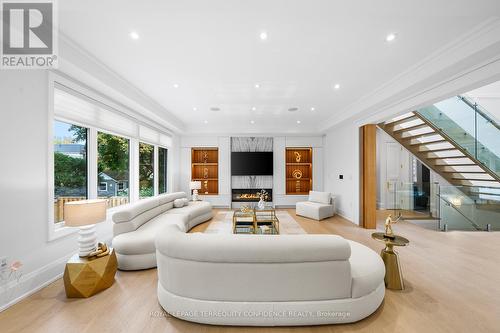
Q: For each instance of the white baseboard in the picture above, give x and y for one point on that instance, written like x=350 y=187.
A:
x=14 y=291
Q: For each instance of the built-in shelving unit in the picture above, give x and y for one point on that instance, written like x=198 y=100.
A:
x=298 y=164
x=205 y=168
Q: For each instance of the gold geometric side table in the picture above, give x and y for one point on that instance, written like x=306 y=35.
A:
x=86 y=277
x=393 y=274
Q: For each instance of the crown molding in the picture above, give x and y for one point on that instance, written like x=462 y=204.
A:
x=440 y=71
x=78 y=63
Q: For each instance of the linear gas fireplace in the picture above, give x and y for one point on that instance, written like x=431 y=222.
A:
x=249 y=195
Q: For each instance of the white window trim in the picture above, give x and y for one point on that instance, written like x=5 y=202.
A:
x=59 y=230
x=99 y=189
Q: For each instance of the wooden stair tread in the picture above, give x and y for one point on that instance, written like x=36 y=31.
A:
x=411 y=128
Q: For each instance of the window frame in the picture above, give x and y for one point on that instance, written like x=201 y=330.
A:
x=59 y=230
x=99 y=189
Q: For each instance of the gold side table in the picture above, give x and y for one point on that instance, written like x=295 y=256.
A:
x=86 y=277
x=393 y=274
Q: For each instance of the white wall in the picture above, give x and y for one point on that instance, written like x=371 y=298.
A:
x=23 y=184
x=224 y=145
x=24 y=228
x=341 y=158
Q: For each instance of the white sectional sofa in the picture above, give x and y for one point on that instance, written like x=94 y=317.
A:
x=136 y=225
x=262 y=280
x=319 y=206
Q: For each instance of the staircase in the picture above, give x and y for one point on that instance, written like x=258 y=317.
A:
x=457 y=140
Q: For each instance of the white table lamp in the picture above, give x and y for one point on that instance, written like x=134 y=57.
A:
x=195 y=186
x=85 y=214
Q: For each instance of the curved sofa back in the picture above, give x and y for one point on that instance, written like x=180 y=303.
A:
x=253 y=268
x=132 y=216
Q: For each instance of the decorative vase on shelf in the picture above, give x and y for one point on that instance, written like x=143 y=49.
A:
x=261 y=204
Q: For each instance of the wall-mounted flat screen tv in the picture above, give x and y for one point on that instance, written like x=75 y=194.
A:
x=251 y=163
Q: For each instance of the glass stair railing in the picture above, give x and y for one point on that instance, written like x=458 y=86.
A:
x=468 y=208
x=465 y=124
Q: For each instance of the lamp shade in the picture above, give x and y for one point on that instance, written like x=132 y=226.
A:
x=196 y=185
x=84 y=212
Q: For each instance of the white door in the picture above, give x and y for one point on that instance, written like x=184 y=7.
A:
x=392 y=168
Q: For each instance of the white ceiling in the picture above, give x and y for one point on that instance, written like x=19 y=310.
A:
x=212 y=50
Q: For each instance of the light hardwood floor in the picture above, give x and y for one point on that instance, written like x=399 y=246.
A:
x=452 y=285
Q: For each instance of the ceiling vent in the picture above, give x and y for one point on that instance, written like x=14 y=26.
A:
x=215 y=109
x=293 y=109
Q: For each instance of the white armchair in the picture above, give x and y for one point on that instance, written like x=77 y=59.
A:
x=320 y=205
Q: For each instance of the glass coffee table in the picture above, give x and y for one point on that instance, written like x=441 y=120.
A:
x=256 y=221
x=266 y=221
x=243 y=222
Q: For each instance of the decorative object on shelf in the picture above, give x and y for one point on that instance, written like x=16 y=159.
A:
x=297 y=157
x=298 y=170
x=263 y=197
x=297 y=174
x=388 y=229
x=195 y=186
x=85 y=214
x=204 y=168
x=84 y=277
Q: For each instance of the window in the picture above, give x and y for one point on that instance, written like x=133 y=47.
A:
x=113 y=168
x=146 y=170
x=70 y=166
x=162 y=170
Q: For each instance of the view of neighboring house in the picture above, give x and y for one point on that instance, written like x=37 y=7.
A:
x=112 y=183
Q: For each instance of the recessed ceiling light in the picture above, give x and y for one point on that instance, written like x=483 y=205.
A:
x=254 y=108
x=312 y=109
x=336 y=86
x=134 y=35
x=390 y=37
x=176 y=85
x=194 y=109
x=298 y=121
x=257 y=86
x=215 y=109
x=293 y=109
x=252 y=122
x=206 y=121
x=263 y=35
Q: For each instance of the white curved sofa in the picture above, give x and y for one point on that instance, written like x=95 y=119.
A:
x=136 y=225
x=262 y=280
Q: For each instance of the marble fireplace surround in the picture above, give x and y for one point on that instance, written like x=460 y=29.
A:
x=254 y=182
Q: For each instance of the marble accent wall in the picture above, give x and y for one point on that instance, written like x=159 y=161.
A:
x=251 y=144
x=251 y=182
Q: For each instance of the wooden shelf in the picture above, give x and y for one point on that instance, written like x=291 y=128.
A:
x=205 y=168
x=298 y=160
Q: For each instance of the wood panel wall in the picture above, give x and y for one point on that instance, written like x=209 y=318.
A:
x=368 y=168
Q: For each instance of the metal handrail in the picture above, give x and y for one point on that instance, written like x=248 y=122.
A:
x=457 y=145
x=458 y=210
x=473 y=106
